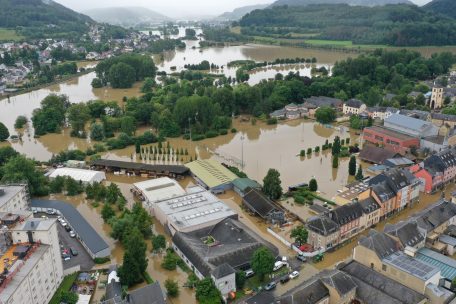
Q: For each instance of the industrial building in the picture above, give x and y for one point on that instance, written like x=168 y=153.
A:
x=196 y=209
x=212 y=175
x=89 y=237
x=85 y=176
x=31 y=268
x=14 y=197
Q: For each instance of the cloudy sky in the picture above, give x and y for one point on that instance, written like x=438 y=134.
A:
x=175 y=8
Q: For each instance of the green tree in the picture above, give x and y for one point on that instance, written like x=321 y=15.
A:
x=5 y=154
x=172 y=288
x=134 y=261
x=50 y=117
x=272 y=185
x=57 y=184
x=107 y=212
x=356 y=122
x=69 y=297
x=148 y=85
x=158 y=242
x=240 y=279
x=170 y=260
x=128 y=125
x=73 y=187
x=20 y=122
x=359 y=175
x=335 y=149
x=262 y=262
x=112 y=193
x=97 y=132
x=335 y=161
x=325 y=115
x=206 y=292
x=313 y=186
x=352 y=166
x=4 y=133
x=299 y=234
x=121 y=75
x=78 y=115
x=96 y=83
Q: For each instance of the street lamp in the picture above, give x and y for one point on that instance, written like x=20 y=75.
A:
x=242 y=152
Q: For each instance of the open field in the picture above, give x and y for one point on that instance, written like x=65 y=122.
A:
x=8 y=35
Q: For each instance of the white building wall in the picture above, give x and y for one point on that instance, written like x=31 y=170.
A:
x=19 y=202
x=226 y=284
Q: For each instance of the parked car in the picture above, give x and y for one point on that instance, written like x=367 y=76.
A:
x=278 y=265
x=294 y=274
x=73 y=251
x=249 y=273
x=301 y=257
x=50 y=211
x=68 y=228
x=284 y=279
x=72 y=234
x=66 y=257
x=64 y=224
x=270 y=286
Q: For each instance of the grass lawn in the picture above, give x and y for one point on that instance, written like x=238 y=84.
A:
x=8 y=35
x=64 y=286
x=344 y=43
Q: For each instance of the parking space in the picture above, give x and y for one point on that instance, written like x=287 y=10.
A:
x=66 y=242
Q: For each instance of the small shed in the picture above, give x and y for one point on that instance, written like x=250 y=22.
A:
x=261 y=205
x=240 y=185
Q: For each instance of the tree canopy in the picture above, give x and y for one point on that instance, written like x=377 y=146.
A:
x=272 y=186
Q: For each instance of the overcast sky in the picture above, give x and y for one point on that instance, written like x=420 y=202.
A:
x=175 y=8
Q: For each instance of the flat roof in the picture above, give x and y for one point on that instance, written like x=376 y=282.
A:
x=194 y=208
x=85 y=231
x=78 y=174
x=211 y=172
x=177 y=169
x=412 y=266
x=159 y=189
x=446 y=264
x=390 y=133
x=354 y=191
x=8 y=193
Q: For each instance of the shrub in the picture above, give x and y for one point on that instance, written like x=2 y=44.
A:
x=233 y=130
x=211 y=134
x=223 y=131
x=198 y=137
x=20 y=122
x=101 y=260
x=271 y=121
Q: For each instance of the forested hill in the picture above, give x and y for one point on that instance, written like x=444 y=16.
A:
x=445 y=7
x=240 y=12
x=349 y=2
x=126 y=16
x=41 y=18
x=397 y=25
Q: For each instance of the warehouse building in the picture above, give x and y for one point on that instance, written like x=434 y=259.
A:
x=212 y=175
x=196 y=209
x=85 y=176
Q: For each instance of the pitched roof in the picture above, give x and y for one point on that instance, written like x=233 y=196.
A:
x=244 y=183
x=446 y=264
x=149 y=294
x=322 y=225
x=435 y=215
x=374 y=287
x=407 y=232
x=354 y=103
x=346 y=213
x=140 y=166
x=383 y=191
x=407 y=122
x=310 y=292
x=379 y=242
x=258 y=202
x=222 y=271
x=339 y=280
x=234 y=243
x=369 y=205
x=444 y=117
x=323 y=101
x=375 y=154
x=211 y=172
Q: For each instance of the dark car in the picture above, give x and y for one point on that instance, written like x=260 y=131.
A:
x=74 y=252
x=301 y=257
x=285 y=279
x=67 y=228
x=270 y=286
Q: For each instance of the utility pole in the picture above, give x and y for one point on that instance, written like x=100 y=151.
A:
x=242 y=152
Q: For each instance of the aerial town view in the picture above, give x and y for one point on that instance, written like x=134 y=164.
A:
x=229 y=151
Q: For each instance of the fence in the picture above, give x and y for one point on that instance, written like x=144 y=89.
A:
x=292 y=246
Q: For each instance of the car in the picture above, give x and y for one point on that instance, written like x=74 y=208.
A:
x=66 y=257
x=301 y=257
x=72 y=234
x=284 y=279
x=294 y=274
x=278 y=265
x=64 y=223
x=249 y=273
x=73 y=251
x=50 y=211
x=44 y=217
x=67 y=228
x=270 y=286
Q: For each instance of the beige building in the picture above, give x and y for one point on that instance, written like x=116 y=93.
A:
x=353 y=107
x=14 y=198
x=324 y=233
x=436 y=101
x=31 y=254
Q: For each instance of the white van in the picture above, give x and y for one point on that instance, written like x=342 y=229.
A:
x=278 y=265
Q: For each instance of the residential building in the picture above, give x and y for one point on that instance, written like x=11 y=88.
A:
x=32 y=268
x=348 y=218
x=219 y=251
x=436 y=218
x=371 y=213
x=410 y=126
x=417 y=114
x=441 y=120
x=353 y=107
x=376 y=155
x=389 y=139
x=407 y=233
x=324 y=233
x=291 y=111
x=381 y=112
x=14 y=197
x=323 y=101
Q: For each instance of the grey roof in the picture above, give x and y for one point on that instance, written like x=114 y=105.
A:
x=410 y=265
x=446 y=239
x=234 y=244
x=149 y=294
x=444 y=117
x=398 y=162
x=408 y=122
x=84 y=230
x=222 y=271
x=339 y=280
x=435 y=215
x=113 y=291
x=374 y=287
x=375 y=154
x=258 y=202
x=383 y=191
x=379 y=242
x=322 y=225
x=369 y=205
x=347 y=213
x=423 y=115
x=177 y=169
x=407 y=232
x=354 y=103
x=323 y=101
x=310 y=292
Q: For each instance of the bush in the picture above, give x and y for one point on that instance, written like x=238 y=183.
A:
x=172 y=288
x=198 y=137
x=101 y=260
x=233 y=130
x=309 y=151
x=170 y=261
x=148 y=278
x=223 y=131
x=20 y=122
x=211 y=134
x=317 y=149
x=96 y=83
x=271 y=121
